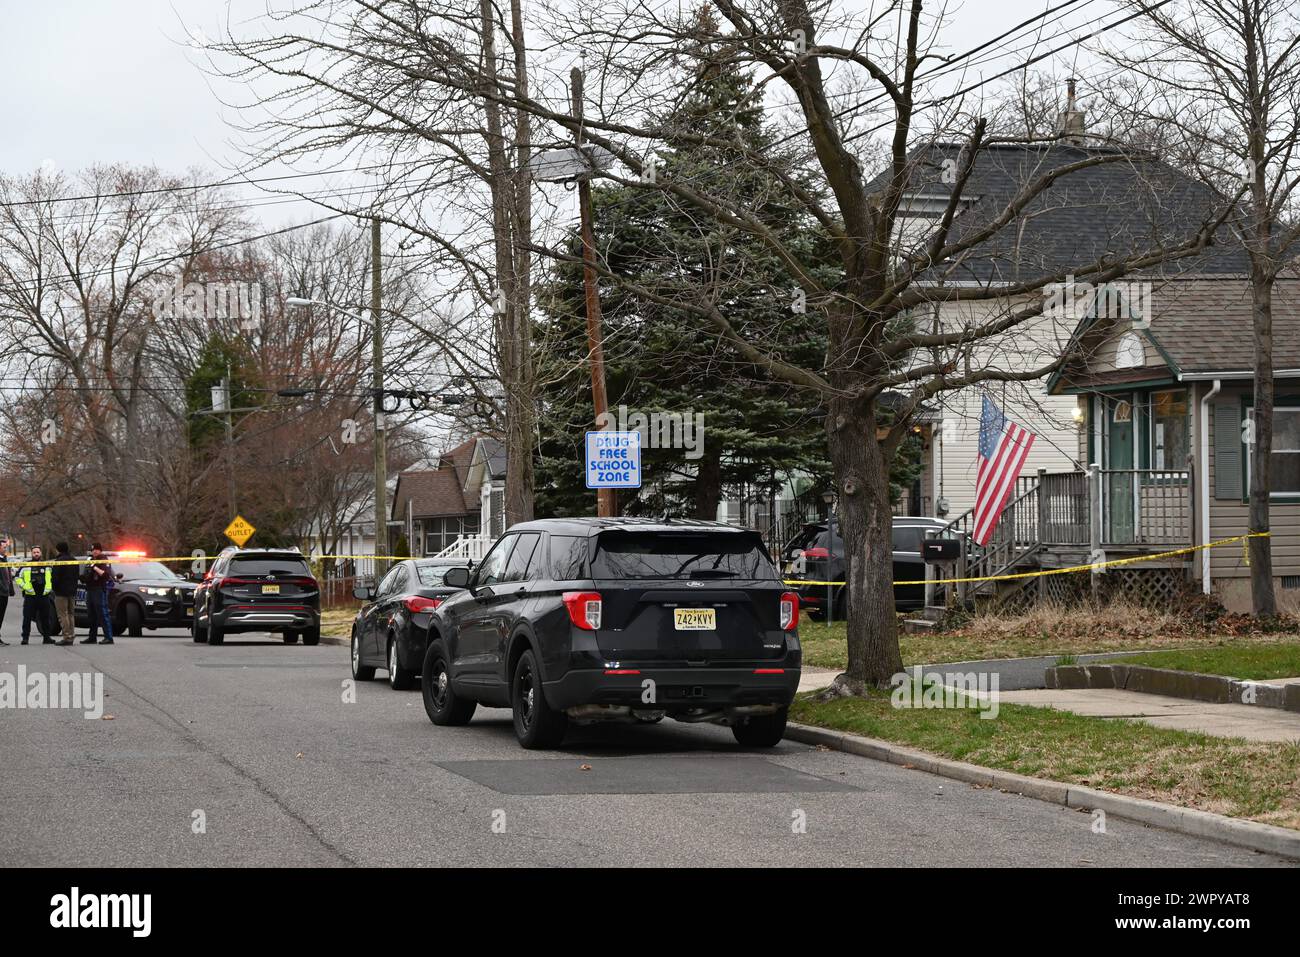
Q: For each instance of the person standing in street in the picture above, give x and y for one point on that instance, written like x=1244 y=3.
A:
x=6 y=582
x=36 y=583
x=65 y=591
x=97 y=578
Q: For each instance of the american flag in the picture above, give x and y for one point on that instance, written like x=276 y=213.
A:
x=1003 y=449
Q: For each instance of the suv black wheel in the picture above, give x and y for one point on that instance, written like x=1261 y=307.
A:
x=134 y=617
x=537 y=725
x=359 y=671
x=762 y=731
x=399 y=678
x=443 y=705
x=200 y=635
x=291 y=637
x=215 y=634
x=311 y=636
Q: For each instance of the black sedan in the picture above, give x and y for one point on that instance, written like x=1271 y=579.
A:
x=145 y=595
x=391 y=629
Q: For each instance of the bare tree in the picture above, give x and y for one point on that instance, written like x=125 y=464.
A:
x=388 y=79
x=1220 y=80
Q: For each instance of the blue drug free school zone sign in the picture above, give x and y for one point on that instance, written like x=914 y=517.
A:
x=613 y=460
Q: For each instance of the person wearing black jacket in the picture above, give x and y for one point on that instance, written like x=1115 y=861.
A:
x=65 y=592
x=6 y=582
x=98 y=578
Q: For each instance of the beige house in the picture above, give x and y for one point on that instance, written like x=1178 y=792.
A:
x=1165 y=419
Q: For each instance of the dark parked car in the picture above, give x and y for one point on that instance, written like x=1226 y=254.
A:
x=145 y=595
x=823 y=560
x=617 y=619
x=391 y=630
x=258 y=589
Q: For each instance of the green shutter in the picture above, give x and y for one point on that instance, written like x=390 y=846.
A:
x=1227 y=450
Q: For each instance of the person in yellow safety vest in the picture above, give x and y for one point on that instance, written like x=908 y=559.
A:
x=35 y=582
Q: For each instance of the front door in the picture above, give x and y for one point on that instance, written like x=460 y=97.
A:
x=1118 y=507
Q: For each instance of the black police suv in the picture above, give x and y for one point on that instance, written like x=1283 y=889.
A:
x=617 y=619
x=815 y=555
x=258 y=589
x=390 y=631
x=145 y=594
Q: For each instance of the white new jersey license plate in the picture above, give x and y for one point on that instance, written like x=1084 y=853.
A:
x=695 y=619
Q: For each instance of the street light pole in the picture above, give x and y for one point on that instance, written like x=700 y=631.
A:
x=377 y=384
x=230 y=444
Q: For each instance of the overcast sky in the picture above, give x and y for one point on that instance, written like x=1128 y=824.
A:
x=105 y=80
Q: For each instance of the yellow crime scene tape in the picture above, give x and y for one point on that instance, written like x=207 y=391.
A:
x=137 y=559
x=1061 y=571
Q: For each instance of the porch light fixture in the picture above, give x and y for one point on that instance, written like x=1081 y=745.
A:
x=1078 y=414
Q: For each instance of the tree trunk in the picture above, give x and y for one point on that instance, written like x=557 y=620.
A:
x=866 y=524
x=1262 y=599
x=708 y=485
x=511 y=212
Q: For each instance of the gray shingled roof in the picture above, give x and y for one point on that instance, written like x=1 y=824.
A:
x=1200 y=325
x=1204 y=325
x=1110 y=211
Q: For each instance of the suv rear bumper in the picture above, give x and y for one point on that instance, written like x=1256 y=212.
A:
x=266 y=618
x=676 y=689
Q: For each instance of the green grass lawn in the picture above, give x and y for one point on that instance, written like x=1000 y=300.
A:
x=1251 y=662
x=826 y=647
x=1259 y=781
x=337 y=622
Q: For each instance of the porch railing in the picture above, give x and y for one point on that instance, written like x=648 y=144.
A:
x=1094 y=509
x=471 y=547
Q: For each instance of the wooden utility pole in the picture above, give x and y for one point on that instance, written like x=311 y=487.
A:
x=377 y=385
x=595 y=346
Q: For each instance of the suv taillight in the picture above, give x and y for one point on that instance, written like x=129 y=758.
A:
x=817 y=552
x=789 y=611
x=584 y=609
x=235 y=581
x=418 y=603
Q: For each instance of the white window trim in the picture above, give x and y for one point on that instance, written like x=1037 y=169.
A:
x=1279 y=496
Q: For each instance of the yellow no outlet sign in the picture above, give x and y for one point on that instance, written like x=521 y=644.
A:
x=239 y=531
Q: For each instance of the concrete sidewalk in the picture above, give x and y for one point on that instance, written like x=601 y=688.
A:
x=1224 y=720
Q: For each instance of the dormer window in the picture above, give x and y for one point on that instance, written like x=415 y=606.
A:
x=1129 y=352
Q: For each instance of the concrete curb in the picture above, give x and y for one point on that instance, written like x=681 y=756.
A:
x=1265 y=838
x=1215 y=689
x=334 y=640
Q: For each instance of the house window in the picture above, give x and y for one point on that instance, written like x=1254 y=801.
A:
x=1285 y=460
x=1129 y=352
x=1170 y=441
x=439 y=533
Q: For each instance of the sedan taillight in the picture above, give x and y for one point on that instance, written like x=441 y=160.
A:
x=584 y=609
x=789 y=611
x=418 y=603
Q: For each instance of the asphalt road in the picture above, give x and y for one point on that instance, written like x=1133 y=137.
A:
x=257 y=736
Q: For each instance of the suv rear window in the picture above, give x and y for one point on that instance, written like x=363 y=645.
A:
x=907 y=538
x=259 y=566
x=680 y=555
